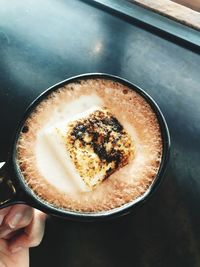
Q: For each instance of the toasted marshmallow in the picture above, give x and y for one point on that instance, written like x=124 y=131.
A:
x=90 y=147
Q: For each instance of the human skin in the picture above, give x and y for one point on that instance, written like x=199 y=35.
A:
x=21 y=227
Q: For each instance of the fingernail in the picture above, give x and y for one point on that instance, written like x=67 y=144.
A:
x=16 y=249
x=14 y=221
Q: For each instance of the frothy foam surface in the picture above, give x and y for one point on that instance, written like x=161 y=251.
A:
x=47 y=168
x=52 y=160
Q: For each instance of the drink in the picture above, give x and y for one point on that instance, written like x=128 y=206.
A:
x=90 y=146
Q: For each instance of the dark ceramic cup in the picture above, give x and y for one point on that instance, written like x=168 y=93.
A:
x=13 y=188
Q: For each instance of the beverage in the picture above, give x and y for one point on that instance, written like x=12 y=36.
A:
x=90 y=146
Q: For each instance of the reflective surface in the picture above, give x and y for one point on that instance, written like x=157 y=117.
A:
x=42 y=43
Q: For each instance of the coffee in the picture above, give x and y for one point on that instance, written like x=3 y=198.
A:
x=90 y=146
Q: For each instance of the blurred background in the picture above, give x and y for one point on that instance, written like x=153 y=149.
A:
x=194 y=4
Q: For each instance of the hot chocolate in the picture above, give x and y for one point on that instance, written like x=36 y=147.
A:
x=90 y=146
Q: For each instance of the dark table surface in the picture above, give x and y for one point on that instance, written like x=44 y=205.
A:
x=44 y=42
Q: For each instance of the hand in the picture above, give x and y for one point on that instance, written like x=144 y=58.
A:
x=21 y=227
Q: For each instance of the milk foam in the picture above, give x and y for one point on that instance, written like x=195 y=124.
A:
x=52 y=160
x=40 y=164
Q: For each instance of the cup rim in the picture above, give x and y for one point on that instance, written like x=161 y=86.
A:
x=32 y=199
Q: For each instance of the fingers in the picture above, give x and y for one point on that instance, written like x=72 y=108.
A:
x=3 y=245
x=32 y=234
x=18 y=216
x=22 y=226
x=8 y=259
x=3 y=213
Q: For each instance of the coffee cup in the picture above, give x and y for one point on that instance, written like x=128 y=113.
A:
x=117 y=191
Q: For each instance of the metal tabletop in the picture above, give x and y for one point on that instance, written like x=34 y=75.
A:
x=44 y=42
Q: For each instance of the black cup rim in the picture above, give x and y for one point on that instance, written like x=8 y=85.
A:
x=31 y=199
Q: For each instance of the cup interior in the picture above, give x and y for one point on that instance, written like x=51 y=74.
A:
x=32 y=199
